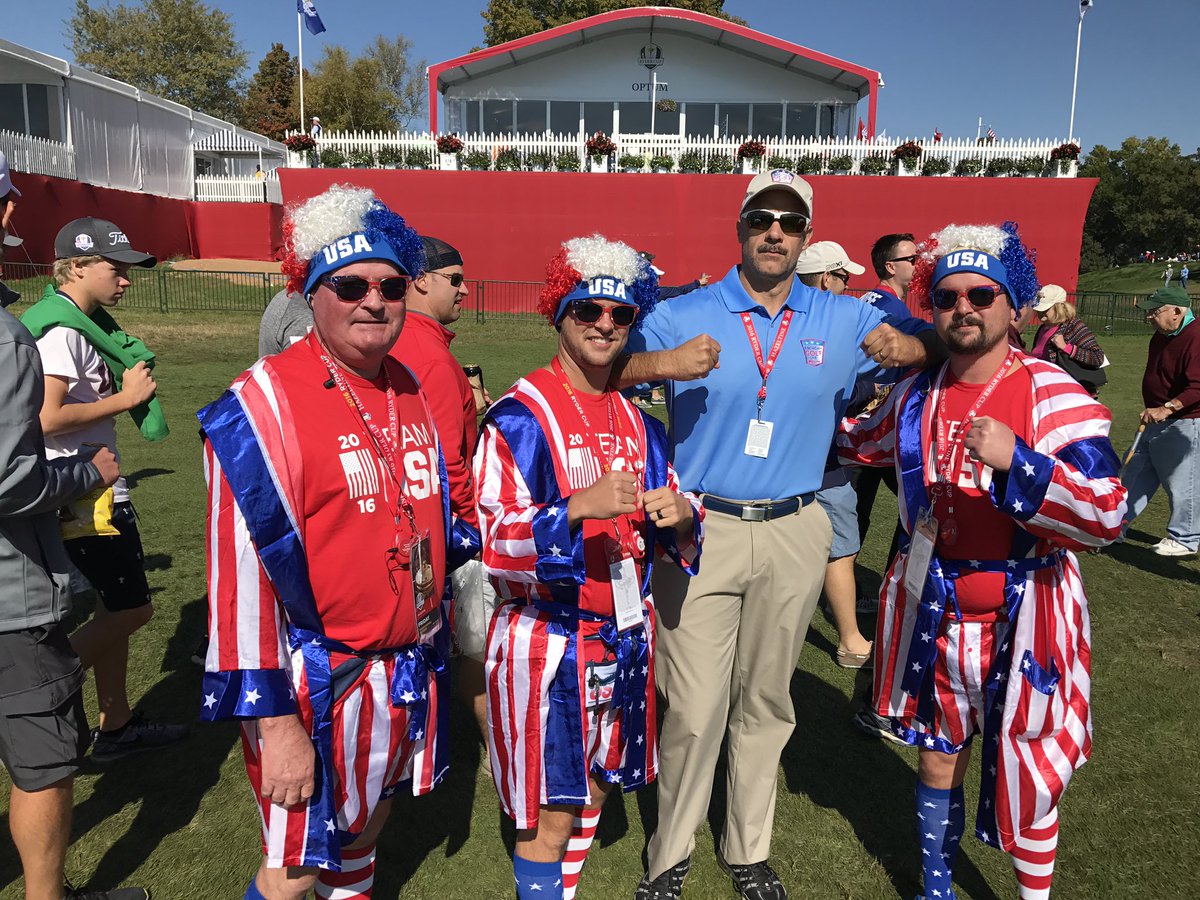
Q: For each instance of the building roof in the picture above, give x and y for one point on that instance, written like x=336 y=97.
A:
x=719 y=32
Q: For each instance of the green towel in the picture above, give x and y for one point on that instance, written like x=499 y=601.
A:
x=119 y=350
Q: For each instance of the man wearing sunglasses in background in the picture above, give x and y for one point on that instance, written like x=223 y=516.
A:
x=753 y=436
x=1005 y=466
x=434 y=302
x=327 y=544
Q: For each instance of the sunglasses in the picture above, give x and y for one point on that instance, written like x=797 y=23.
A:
x=352 y=288
x=590 y=313
x=455 y=278
x=908 y=259
x=841 y=275
x=980 y=297
x=790 y=223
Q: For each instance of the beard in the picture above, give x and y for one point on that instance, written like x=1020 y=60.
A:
x=979 y=341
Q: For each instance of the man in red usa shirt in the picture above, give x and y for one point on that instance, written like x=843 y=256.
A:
x=575 y=497
x=326 y=557
x=1005 y=468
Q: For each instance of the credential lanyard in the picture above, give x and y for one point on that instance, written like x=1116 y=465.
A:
x=765 y=366
x=945 y=465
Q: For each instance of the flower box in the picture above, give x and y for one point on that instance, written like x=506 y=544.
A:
x=448 y=162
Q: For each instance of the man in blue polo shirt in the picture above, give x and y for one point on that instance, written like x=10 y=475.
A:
x=752 y=436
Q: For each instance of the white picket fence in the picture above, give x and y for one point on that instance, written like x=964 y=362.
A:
x=402 y=149
x=37 y=156
x=238 y=189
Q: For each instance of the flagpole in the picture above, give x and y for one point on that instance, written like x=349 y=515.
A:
x=978 y=129
x=1075 y=84
x=300 y=58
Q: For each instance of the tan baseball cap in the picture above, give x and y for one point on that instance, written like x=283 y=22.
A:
x=779 y=180
x=826 y=256
x=1049 y=296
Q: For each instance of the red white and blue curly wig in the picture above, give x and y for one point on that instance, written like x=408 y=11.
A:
x=1006 y=261
x=595 y=268
x=345 y=225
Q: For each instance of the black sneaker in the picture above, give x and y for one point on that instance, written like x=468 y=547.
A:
x=756 y=881
x=667 y=886
x=138 y=734
x=872 y=723
x=125 y=893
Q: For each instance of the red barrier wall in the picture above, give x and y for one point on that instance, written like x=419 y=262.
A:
x=509 y=224
x=160 y=225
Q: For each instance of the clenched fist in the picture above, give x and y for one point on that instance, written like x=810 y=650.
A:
x=667 y=509
x=990 y=442
x=695 y=358
x=612 y=494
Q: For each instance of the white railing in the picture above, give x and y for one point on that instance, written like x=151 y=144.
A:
x=238 y=189
x=37 y=156
x=419 y=150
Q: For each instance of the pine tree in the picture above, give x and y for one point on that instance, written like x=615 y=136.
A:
x=269 y=107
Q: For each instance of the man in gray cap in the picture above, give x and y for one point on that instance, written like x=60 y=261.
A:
x=8 y=196
x=93 y=372
x=1167 y=453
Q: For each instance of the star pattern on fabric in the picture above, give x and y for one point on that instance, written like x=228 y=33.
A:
x=330 y=827
x=553 y=512
x=253 y=696
x=1028 y=469
x=210 y=700
x=1018 y=506
x=555 y=551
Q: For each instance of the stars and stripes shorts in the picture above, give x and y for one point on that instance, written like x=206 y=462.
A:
x=964 y=657
x=372 y=756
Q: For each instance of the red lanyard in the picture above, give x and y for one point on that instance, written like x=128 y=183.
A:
x=385 y=447
x=945 y=466
x=765 y=367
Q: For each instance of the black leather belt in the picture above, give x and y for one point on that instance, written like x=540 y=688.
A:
x=757 y=510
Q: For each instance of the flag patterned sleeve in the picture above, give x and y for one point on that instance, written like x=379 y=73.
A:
x=685 y=554
x=248 y=668
x=1066 y=488
x=525 y=540
x=871 y=440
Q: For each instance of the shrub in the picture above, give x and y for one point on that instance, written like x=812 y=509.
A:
x=600 y=144
x=908 y=151
x=969 y=166
x=691 y=161
x=361 y=158
x=665 y=106
x=809 y=164
x=567 y=161
x=539 y=158
x=752 y=150
x=1068 y=151
x=999 y=166
x=298 y=143
x=449 y=143
x=935 y=165
x=779 y=161
x=630 y=161
x=662 y=161
x=508 y=160
x=418 y=158
x=719 y=164
x=842 y=162
x=391 y=156
x=874 y=164
x=479 y=160
x=333 y=158
x=1031 y=165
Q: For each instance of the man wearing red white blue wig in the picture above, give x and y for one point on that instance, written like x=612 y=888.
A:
x=576 y=497
x=1006 y=469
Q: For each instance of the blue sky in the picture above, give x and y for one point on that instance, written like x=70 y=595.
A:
x=945 y=62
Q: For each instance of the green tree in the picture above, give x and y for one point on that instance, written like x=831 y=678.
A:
x=348 y=94
x=507 y=20
x=1148 y=198
x=183 y=50
x=402 y=78
x=269 y=107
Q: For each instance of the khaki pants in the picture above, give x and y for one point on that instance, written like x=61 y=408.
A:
x=728 y=642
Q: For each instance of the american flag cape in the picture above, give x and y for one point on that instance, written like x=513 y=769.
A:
x=1064 y=494
x=281 y=648
x=537 y=564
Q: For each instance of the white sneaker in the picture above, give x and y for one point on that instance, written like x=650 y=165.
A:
x=1171 y=547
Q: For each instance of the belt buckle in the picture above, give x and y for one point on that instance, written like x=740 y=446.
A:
x=754 y=514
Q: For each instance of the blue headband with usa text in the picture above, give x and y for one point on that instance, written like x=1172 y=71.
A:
x=357 y=247
x=601 y=287
x=979 y=262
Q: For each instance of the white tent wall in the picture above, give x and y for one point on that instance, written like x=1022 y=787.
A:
x=104 y=130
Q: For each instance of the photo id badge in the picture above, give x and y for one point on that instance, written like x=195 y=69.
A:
x=627 y=593
x=425 y=600
x=920 y=552
x=758 y=438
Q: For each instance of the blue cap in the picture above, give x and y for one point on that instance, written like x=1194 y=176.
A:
x=980 y=263
x=601 y=287
x=352 y=248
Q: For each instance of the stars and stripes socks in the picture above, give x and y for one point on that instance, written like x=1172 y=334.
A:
x=940 y=823
x=354 y=881
x=537 y=880
x=1033 y=857
x=583 y=831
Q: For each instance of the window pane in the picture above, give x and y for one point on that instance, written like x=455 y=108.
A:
x=801 y=120
x=768 y=119
x=564 y=117
x=666 y=122
x=498 y=116
x=472 y=116
x=842 y=120
x=826 y=120
x=12 y=108
x=734 y=119
x=455 y=115
x=701 y=118
x=39 y=109
x=54 y=105
x=635 y=117
x=597 y=117
x=531 y=116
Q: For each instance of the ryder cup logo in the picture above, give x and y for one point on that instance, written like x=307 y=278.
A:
x=651 y=56
x=782 y=176
x=814 y=352
x=84 y=242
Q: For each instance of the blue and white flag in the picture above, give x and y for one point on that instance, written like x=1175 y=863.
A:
x=1084 y=6
x=312 y=21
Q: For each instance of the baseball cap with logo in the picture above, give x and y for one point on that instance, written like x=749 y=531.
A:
x=1172 y=295
x=1048 y=297
x=779 y=180
x=6 y=185
x=826 y=256
x=98 y=237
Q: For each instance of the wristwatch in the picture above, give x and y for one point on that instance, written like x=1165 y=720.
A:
x=1173 y=406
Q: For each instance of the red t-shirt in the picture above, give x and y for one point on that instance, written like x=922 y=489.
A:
x=350 y=500
x=983 y=531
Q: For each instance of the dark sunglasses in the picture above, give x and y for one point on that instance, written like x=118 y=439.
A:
x=908 y=259
x=980 y=297
x=352 y=289
x=590 y=313
x=841 y=275
x=790 y=223
x=455 y=278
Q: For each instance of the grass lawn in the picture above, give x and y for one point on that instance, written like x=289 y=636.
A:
x=1137 y=278
x=181 y=821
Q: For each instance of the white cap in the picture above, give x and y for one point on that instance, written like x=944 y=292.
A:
x=779 y=180
x=6 y=185
x=11 y=240
x=826 y=256
x=1050 y=295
